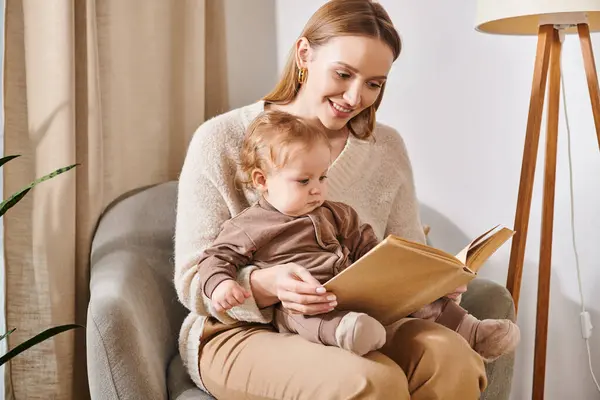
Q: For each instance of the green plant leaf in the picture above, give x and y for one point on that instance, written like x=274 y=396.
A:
x=40 y=337
x=6 y=159
x=15 y=198
x=7 y=333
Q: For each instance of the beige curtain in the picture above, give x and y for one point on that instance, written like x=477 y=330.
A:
x=117 y=86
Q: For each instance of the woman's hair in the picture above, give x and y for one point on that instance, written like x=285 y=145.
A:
x=341 y=18
x=269 y=138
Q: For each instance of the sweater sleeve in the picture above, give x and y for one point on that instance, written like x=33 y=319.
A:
x=405 y=219
x=206 y=198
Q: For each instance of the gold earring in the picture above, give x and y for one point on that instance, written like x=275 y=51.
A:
x=302 y=75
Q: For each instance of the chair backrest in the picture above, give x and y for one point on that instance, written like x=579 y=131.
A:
x=143 y=221
x=444 y=234
x=144 y=217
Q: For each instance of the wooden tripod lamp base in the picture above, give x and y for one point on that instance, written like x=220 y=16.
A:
x=549 y=20
x=547 y=59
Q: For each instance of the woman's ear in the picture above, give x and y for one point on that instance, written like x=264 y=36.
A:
x=303 y=52
x=259 y=180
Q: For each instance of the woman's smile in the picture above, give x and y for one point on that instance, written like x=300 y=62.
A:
x=340 y=111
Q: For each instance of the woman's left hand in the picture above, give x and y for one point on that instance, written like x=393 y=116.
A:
x=457 y=294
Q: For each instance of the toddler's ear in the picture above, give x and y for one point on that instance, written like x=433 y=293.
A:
x=259 y=180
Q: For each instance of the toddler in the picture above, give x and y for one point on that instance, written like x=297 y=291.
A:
x=286 y=160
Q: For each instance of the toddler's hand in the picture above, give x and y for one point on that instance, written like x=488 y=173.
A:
x=228 y=294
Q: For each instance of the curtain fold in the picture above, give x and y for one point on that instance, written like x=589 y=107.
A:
x=118 y=87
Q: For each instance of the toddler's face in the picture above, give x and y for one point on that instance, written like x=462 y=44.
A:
x=301 y=185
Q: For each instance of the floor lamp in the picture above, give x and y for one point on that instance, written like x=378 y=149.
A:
x=544 y=18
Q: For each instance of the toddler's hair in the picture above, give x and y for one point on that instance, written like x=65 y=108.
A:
x=269 y=138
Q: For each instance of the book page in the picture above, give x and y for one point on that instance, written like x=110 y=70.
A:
x=424 y=249
x=479 y=253
x=462 y=255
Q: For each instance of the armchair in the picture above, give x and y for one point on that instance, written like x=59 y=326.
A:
x=134 y=315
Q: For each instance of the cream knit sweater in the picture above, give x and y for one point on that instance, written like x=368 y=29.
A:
x=374 y=177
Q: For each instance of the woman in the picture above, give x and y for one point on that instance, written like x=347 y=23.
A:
x=336 y=76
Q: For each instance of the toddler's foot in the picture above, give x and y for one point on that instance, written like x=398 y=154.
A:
x=491 y=338
x=359 y=333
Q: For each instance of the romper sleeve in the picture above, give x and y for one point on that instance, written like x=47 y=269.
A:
x=231 y=250
x=357 y=236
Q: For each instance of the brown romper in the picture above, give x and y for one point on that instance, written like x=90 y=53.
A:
x=325 y=242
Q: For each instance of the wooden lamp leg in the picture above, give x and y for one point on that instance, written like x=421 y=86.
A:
x=548 y=52
x=543 y=295
x=536 y=108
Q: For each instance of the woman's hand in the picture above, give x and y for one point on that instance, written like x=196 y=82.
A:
x=292 y=284
x=457 y=294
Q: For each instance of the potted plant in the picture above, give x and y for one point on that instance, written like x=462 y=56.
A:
x=4 y=207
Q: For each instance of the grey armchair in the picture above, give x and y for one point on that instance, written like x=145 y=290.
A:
x=134 y=315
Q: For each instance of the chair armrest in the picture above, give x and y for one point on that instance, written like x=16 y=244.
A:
x=134 y=316
x=180 y=384
x=488 y=299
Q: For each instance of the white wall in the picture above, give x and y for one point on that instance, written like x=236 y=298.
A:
x=251 y=63
x=243 y=37
x=460 y=100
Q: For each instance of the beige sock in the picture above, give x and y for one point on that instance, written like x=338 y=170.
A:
x=360 y=333
x=491 y=338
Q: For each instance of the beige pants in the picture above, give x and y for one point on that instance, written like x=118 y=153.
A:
x=422 y=360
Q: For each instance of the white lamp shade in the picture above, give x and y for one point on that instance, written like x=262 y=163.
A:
x=523 y=17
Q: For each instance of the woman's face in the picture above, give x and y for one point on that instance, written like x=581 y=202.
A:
x=344 y=77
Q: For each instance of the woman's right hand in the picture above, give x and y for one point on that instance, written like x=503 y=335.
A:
x=292 y=284
x=299 y=292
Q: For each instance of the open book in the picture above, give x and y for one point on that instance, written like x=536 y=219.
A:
x=398 y=277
